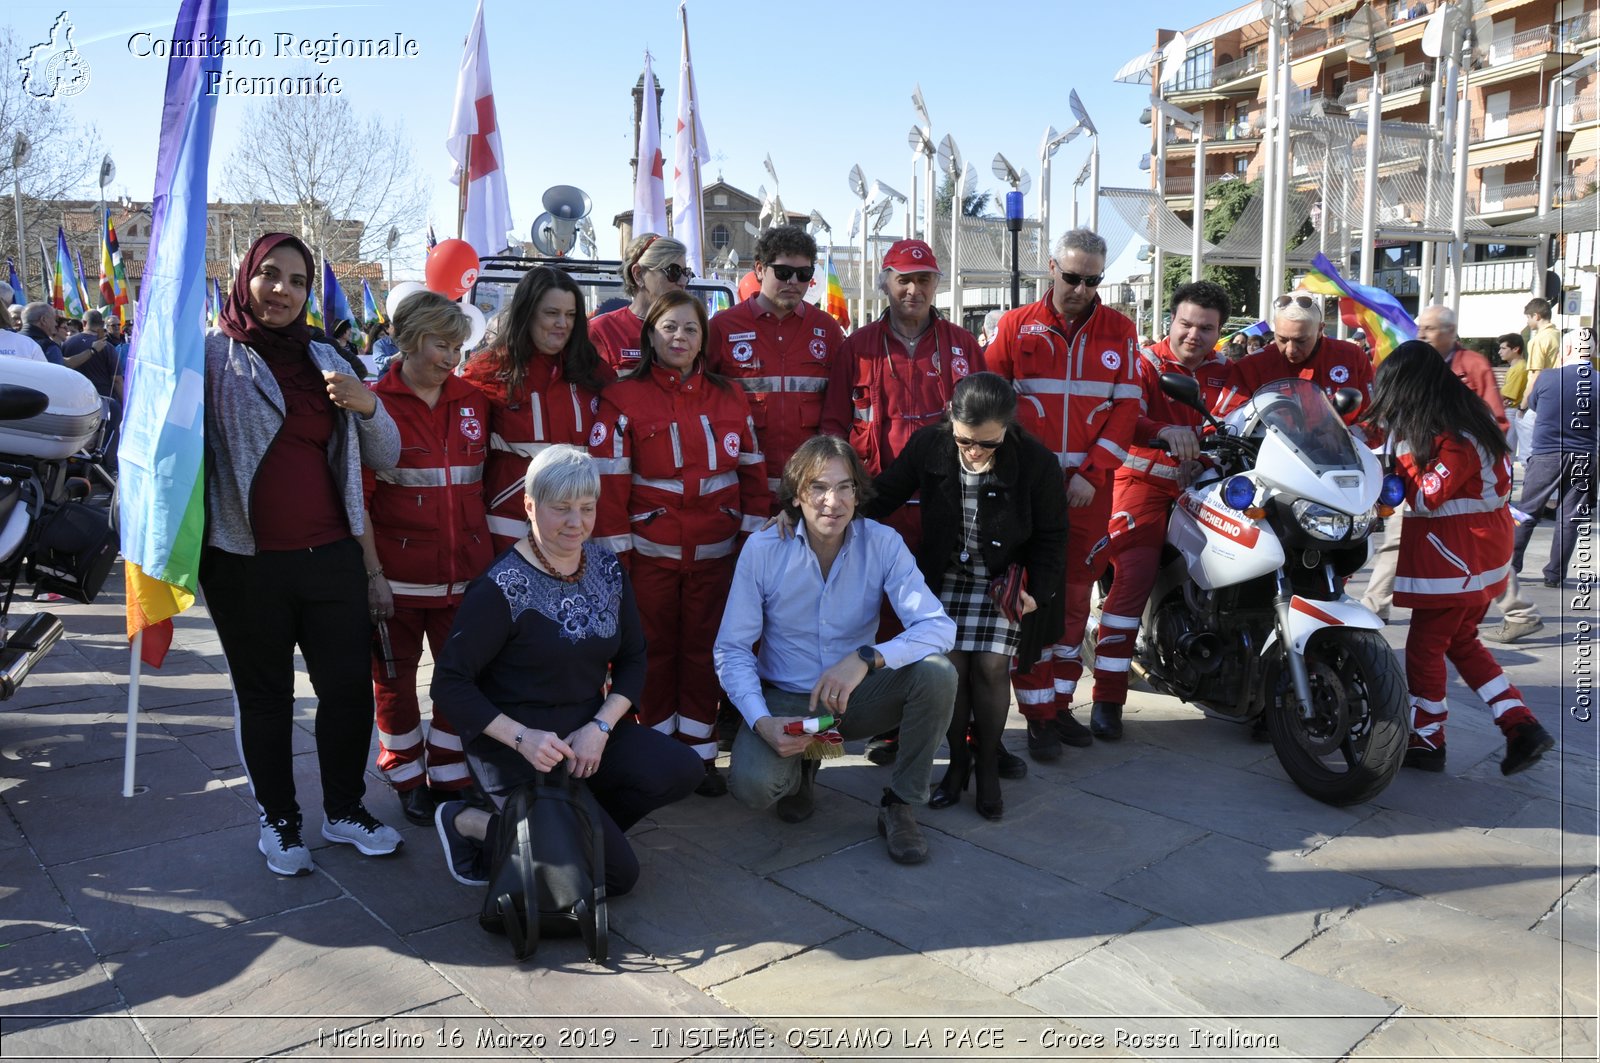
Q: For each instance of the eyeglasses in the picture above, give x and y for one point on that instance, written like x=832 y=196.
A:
x=676 y=273
x=1309 y=302
x=986 y=444
x=789 y=273
x=1072 y=280
x=844 y=491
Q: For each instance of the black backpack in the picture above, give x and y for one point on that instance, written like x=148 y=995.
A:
x=549 y=875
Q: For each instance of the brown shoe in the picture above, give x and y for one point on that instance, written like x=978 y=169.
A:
x=899 y=829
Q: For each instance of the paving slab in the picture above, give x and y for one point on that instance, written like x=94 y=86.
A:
x=181 y=794
x=30 y=904
x=409 y=890
x=1240 y=804
x=1414 y=1035
x=141 y=897
x=707 y=923
x=270 y=984
x=1267 y=901
x=1574 y=918
x=51 y=976
x=867 y=985
x=1572 y=835
x=1450 y=799
x=996 y=920
x=84 y=1039
x=1564 y=775
x=1167 y=723
x=1167 y=988
x=83 y=732
x=428 y=1032
x=1455 y=866
x=1446 y=962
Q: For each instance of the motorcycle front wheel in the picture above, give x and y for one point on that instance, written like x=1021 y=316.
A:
x=1352 y=745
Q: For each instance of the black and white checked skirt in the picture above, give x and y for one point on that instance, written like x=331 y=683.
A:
x=979 y=626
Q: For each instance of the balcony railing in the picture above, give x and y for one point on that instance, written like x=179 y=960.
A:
x=1307 y=42
x=1525 y=45
x=1238 y=68
x=1505 y=275
x=1572 y=32
x=1511 y=124
x=1584 y=108
x=1215 y=131
x=1518 y=196
x=1402 y=80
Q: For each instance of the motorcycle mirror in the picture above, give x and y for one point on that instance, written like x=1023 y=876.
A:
x=1184 y=389
x=1346 y=400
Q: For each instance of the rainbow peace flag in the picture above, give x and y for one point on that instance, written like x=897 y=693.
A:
x=83 y=282
x=65 y=288
x=833 y=300
x=161 y=458
x=1386 y=322
x=1260 y=328
x=370 y=310
x=113 y=278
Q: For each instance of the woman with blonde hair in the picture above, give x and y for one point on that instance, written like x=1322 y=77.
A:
x=651 y=266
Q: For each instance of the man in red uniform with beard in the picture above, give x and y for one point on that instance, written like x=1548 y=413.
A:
x=1072 y=361
x=1299 y=349
x=784 y=352
x=1149 y=482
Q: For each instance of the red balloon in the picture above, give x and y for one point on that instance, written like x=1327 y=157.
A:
x=452 y=268
x=749 y=284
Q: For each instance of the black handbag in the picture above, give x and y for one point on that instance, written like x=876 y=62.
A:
x=549 y=870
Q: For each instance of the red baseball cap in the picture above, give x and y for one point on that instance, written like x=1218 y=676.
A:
x=911 y=256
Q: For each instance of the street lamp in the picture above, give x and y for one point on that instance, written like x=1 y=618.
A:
x=922 y=154
x=21 y=148
x=1020 y=184
x=1047 y=148
x=858 y=185
x=393 y=239
x=950 y=160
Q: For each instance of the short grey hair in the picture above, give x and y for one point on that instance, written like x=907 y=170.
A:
x=1086 y=240
x=93 y=319
x=1311 y=315
x=991 y=321
x=561 y=473
x=6 y=294
x=34 y=313
x=1441 y=314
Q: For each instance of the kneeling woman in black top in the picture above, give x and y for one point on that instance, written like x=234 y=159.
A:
x=523 y=676
x=991 y=497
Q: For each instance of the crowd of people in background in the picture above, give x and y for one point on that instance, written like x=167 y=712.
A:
x=619 y=535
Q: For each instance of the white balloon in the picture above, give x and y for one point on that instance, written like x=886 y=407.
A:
x=397 y=295
x=480 y=324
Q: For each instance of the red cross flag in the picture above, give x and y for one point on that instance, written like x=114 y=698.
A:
x=474 y=143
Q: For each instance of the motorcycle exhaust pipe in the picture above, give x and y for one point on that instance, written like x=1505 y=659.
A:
x=1203 y=651
x=25 y=648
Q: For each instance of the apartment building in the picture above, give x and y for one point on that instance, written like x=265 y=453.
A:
x=1524 y=45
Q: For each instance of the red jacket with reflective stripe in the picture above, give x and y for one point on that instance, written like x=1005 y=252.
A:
x=1473 y=370
x=791 y=370
x=1334 y=364
x=1455 y=544
x=616 y=336
x=681 y=475
x=892 y=394
x=1148 y=465
x=1077 y=390
x=546 y=409
x=427 y=513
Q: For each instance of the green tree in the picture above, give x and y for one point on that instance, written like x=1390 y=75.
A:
x=1225 y=204
x=973 y=205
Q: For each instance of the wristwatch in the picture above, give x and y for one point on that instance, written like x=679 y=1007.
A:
x=605 y=728
x=870 y=655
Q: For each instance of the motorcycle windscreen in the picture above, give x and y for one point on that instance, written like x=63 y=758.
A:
x=1303 y=418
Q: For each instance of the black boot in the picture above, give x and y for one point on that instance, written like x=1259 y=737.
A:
x=1525 y=744
x=1105 y=720
x=798 y=806
x=417 y=803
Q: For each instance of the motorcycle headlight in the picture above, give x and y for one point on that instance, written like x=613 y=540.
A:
x=1361 y=523
x=1320 y=521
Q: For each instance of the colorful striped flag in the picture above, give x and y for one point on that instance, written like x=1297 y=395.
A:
x=313 y=308
x=65 y=284
x=216 y=298
x=335 y=307
x=163 y=430
x=1260 y=328
x=47 y=272
x=833 y=300
x=1361 y=306
x=371 y=309
x=113 y=278
x=82 y=278
x=19 y=294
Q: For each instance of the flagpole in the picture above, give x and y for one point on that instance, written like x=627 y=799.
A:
x=694 y=142
x=131 y=743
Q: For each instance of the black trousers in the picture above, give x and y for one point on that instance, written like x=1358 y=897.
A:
x=640 y=771
x=263 y=605
x=1570 y=478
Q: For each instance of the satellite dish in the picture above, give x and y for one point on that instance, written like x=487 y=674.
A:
x=818 y=224
x=1003 y=169
x=1481 y=36
x=949 y=156
x=1026 y=184
x=922 y=108
x=1144 y=161
x=1172 y=56
x=393 y=238
x=21 y=148
x=1368 y=38
x=547 y=240
x=731 y=259
x=919 y=142
x=566 y=202
x=751 y=229
x=108 y=171
x=1441 y=25
x=881 y=190
x=970 y=177
x=1080 y=114
x=858 y=182
x=1046 y=148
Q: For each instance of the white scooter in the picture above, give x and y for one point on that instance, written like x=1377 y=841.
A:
x=1248 y=619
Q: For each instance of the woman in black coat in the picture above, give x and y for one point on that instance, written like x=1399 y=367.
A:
x=991 y=497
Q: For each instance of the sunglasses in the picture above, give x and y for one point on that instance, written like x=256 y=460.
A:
x=1072 y=280
x=789 y=273
x=676 y=273
x=986 y=444
x=1309 y=302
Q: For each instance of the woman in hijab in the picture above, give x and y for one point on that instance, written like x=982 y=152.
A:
x=287 y=431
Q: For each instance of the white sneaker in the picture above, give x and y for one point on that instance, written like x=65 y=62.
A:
x=280 y=843
x=360 y=828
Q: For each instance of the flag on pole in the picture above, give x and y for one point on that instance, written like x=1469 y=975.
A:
x=1260 y=328
x=649 y=186
x=64 y=285
x=833 y=300
x=335 y=307
x=83 y=282
x=314 y=308
x=474 y=143
x=216 y=296
x=162 y=484
x=689 y=153
x=1362 y=306
x=370 y=309
x=433 y=241
x=113 y=278
x=19 y=295
x=47 y=272
x=211 y=308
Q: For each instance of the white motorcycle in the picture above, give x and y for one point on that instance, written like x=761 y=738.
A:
x=1248 y=619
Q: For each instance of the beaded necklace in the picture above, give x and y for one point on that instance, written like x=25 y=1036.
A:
x=583 y=560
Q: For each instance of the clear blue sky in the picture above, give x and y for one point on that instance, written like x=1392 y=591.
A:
x=819 y=86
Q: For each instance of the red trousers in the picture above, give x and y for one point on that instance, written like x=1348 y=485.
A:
x=1135 y=562
x=681 y=610
x=1451 y=634
x=400 y=737
x=1048 y=686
